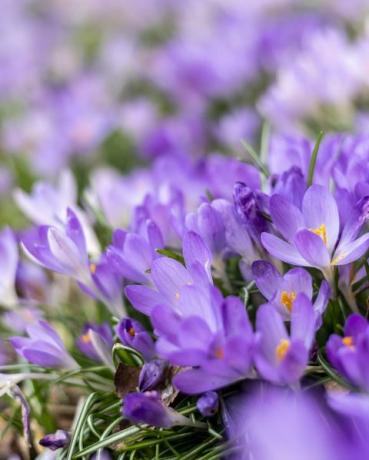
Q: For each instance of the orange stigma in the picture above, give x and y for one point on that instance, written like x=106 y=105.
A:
x=282 y=349
x=348 y=341
x=86 y=337
x=92 y=268
x=131 y=331
x=287 y=299
x=219 y=353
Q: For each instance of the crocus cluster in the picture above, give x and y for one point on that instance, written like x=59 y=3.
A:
x=181 y=244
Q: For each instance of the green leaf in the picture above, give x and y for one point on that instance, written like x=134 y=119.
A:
x=314 y=157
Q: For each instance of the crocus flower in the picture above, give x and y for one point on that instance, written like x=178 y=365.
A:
x=54 y=202
x=281 y=357
x=56 y=440
x=61 y=250
x=43 y=347
x=211 y=334
x=208 y=403
x=18 y=320
x=250 y=207
x=134 y=335
x=281 y=291
x=86 y=342
x=148 y=408
x=312 y=233
x=152 y=374
x=169 y=276
x=132 y=255
x=8 y=269
x=349 y=354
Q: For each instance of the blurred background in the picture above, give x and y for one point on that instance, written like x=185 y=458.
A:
x=116 y=83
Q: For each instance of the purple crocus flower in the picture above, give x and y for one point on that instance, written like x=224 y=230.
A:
x=134 y=335
x=208 y=403
x=57 y=440
x=169 y=276
x=208 y=223
x=207 y=332
x=148 y=408
x=250 y=206
x=281 y=357
x=43 y=347
x=132 y=255
x=18 y=320
x=349 y=354
x=281 y=291
x=291 y=184
x=108 y=286
x=54 y=201
x=61 y=250
x=312 y=233
x=87 y=344
x=152 y=374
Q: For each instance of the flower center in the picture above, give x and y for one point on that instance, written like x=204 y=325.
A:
x=131 y=331
x=86 y=337
x=320 y=231
x=92 y=268
x=287 y=299
x=348 y=341
x=282 y=349
x=219 y=353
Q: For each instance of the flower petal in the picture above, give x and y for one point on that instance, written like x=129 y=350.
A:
x=319 y=207
x=282 y=250
x=352 y=251
x=312 y=249
x=267 y=278
x=287 y=218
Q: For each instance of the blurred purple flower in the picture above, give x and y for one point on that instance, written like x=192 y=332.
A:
x=43 y=347
x=134 y=335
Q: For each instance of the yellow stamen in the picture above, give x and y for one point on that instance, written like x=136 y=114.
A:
x=92 y=268
x=320 y=231
x=348 y=341
x=287 y=299
x=177 y=295
x=86 y=337
x=282 y=349
x=131 y=331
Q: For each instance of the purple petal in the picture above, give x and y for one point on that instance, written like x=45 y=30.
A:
x=195 y=250
x=235 y=319
x=271 y=328
x=293 y=364
x=355 y=325
x=144 y=299
x=298 y=280
x=287 y=218
x=282 y=250
x=312 y=248
x=319 y=207
x=196 y=381
x=352 y=251
x=74 y=231
x=169 y=276
x=303 y=320
x=267 y=278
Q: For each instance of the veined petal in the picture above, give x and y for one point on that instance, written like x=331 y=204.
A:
x=282 y=250
x=267 y=278
x=143 y=298
x=270 y=325
x=312 y=249
x=303 y=320
x=320 y=208
x=352 y=251
x=287 y=218
x=169 y=276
